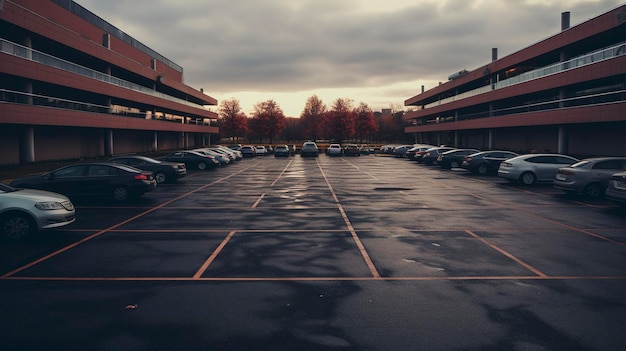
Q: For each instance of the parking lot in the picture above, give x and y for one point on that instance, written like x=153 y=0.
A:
x=327 y=253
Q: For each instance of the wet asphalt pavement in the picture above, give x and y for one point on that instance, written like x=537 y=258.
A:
x=345 y=253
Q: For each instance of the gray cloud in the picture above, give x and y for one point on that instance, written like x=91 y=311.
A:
x=283 y=46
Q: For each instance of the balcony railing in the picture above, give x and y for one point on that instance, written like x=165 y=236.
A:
x=587 y=59
x=19 y=97
x=27 y=53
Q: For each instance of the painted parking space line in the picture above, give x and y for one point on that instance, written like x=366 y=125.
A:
x=507 y=254
x=115 y=226
x=211 y=258
x=355 y=237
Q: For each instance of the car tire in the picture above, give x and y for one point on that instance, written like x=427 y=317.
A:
x=482 y=169
x=16 y=225
x=120 y=194
x=528 y=178
x=593 y=191
x=201 y=166
x=160 y=177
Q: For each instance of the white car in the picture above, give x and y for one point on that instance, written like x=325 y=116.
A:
x=261 y=150
x=26 y=211
x=530 y=168
x=334 y=150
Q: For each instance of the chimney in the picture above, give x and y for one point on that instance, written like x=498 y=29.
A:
x=565 y=20
x=494 y=54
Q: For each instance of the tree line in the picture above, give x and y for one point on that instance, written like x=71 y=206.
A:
x=341 y=122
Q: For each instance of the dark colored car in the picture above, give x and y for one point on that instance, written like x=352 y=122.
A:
x=309 y=148
x=431 y=156
x=248 y=151
x=163 y=171
x=193 y=160
x=454 y=158
x=486 y=161
x=108 y=180
x=400 y=150
x=282 y=151
x=351 y=150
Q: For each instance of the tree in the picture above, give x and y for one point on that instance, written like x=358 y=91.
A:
x=364 y=124
x=269 y=120
x=339 y=121
x=233 y=123
x=312 y=117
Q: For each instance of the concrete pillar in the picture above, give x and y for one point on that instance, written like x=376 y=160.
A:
x=155 y=142
x=490 y=142
x=108 y=142
x=27 y=145
x=456 y=138
x=562 y=141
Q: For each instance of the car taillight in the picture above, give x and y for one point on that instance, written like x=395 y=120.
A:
x=566 y=172
x=141 y=177
x=506 y=164
x=467 y=158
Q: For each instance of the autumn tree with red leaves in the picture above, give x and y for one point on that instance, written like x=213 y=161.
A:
x=339 y=121
x=312 y=117
x=268 y=120
x=364 y=125
x=233 y=123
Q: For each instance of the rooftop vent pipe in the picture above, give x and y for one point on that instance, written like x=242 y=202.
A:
x=565 y=20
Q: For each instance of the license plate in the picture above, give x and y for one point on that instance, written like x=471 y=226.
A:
x=561 y=177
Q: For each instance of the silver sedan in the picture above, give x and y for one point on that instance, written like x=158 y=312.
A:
x=532 y=168
x=26 y=211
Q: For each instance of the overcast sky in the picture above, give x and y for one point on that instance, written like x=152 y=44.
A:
x=375 y=51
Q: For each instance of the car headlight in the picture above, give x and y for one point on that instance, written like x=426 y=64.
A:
x=49 y=205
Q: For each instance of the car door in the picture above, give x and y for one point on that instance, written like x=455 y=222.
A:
x=68 y=181
x=603 y=170
x=99 y=180
x=544 y=167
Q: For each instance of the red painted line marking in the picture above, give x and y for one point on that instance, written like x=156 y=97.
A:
x=97 y=234
x=505 y=253
x=355 y=237
x=210 y=260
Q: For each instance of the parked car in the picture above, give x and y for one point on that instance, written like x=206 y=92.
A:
x=25 y=211
x=387 y=149
x=486 y=161
x=237 y=153
x=162 y=171
x=226 y=152
x=351 y=150
x=334 y=150
x=108 y=180
x=193 y=159
x=431 y=156
x=282 y=151
x=261 y=150
x=531 y=168
x=400 y=150
x=454 y=158
x=309 y=148
x=366 y=149
x=616 y=189
x=417 y=151
x=248 y=151
x=222 y=159
x=589 y=177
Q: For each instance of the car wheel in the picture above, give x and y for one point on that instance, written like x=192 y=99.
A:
x=527 y=178
x=482 y=169
x=120 y=194
x=17 y=225
x=594 y=190
x=160 y=177
x=201 y=166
